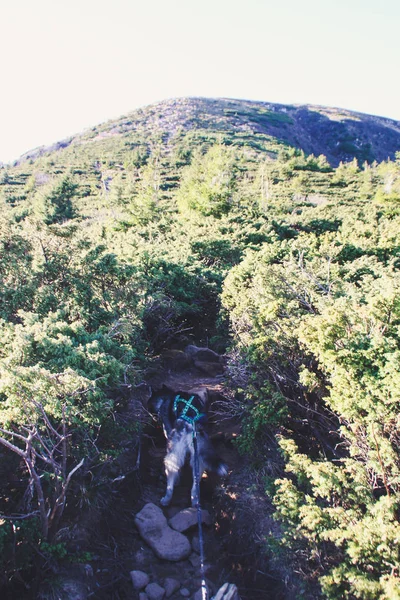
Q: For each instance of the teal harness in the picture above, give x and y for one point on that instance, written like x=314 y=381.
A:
x=196 y=472
x=188 y=406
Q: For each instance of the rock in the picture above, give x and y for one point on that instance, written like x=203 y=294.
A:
x=209 y=368
x=167 y=543
x=143 y=596
x=175 y=360
x=187 y=518
x=155 y=591
x=228 y=591
x=171 y=585
x=185 y=593
x=195 y=560
x=202 y=354
x=139 y=579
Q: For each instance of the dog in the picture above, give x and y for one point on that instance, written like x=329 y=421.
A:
x=180 y=412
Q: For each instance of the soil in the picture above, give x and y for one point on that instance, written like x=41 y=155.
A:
x=110 y=535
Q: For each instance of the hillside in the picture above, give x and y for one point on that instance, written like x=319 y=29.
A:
x=267 y=233
x=339 y=134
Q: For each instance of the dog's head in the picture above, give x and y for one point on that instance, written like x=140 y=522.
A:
x=202 y=394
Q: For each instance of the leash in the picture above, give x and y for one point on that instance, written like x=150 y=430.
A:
x=204 y=591
x=192 y=420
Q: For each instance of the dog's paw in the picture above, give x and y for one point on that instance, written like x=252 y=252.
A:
x=165 y=501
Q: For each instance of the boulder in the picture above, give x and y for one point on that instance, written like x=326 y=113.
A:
x=187 y=518
x=155 y=591
x=167 y=543
x=228 y=591
x=203 y=354
x=175 y=360
x=139 y=579
x=195 y=560
x=171 y=585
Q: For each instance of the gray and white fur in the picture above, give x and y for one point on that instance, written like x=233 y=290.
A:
x=179 y=434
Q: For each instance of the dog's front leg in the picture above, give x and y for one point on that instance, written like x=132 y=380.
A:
x=174 y=460
x=171 y=471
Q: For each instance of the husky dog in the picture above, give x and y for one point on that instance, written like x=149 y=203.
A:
x=180 y=412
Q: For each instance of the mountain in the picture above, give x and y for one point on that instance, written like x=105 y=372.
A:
x=339 y=134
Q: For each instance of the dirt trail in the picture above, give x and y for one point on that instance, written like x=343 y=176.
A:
x=118 y=546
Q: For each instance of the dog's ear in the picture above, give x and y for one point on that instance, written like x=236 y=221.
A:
x=155 y=403
x=157 y=395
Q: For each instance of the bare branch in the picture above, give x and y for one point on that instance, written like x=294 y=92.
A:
x=46 y=419
x=13 y=434
x=60 y=501
x=13 y=517
x=12 y=447
x=78 y=466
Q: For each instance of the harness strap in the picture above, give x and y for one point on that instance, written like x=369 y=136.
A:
x=188 y=405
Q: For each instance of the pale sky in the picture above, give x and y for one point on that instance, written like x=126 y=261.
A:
x=69 y=65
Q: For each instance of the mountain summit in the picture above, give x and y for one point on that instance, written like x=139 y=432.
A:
x=339 y=134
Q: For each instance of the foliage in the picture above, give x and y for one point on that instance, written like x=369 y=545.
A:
x=208 y=183
x=145 y=232
x=320 y=322
x=55 y=201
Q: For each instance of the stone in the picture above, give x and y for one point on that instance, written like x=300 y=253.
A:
x=187 y=518
x=228 y=591
x=202 y=354
x=185 y=593
x=155 y=591
x=167 y=543
x=139 y=579
x=195 y=560
x=143 y=596
x=171 y=585
x=175 y=360
x=212 y=369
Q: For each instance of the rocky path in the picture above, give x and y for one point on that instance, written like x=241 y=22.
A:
x=143 y=551
x=172 y=567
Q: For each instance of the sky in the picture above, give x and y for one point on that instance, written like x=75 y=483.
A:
x=67 y=65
